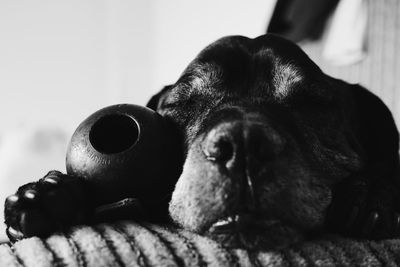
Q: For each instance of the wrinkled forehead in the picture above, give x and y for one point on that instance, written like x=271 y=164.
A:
x=236 y=64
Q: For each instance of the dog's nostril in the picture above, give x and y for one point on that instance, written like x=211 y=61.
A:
x=218 y=150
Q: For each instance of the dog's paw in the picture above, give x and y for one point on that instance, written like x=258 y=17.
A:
x=364 y=210
x=43 y=207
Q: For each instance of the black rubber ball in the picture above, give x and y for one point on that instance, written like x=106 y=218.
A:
x=126 y=151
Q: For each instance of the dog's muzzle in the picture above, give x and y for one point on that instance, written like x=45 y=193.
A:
x=241 y=145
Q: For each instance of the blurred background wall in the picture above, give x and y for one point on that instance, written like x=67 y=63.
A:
x=61 y=60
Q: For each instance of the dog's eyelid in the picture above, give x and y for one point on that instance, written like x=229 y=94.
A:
x=170 y=100
x=178 y=94
x=175 y=102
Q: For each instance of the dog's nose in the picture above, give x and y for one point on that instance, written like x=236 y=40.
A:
x=234 y=143
x=219 y=147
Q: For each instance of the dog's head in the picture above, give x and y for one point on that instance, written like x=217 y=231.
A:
x=266 y=136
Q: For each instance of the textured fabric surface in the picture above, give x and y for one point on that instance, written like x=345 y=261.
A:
x=132 y=244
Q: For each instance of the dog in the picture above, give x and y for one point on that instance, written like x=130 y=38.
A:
x=275 y=151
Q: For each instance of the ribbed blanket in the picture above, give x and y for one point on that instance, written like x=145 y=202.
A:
x=128 y=243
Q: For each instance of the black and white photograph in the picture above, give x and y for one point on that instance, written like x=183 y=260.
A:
x=199 y=133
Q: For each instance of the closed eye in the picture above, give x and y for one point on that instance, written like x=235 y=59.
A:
x=175 y=102
x=172 y=104
x=178 y=96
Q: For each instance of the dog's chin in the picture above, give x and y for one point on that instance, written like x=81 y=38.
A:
x=246 y=232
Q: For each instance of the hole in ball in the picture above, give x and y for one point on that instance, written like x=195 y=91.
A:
x=114 y=133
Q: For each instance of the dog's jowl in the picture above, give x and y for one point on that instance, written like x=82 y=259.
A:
x=275 y=151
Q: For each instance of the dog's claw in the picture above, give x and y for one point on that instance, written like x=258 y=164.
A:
x=30 y=195
x=14 y=234
x=12 y=200
x=371 y=222
x=51 y=180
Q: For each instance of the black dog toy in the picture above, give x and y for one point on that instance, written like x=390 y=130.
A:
x=124 y=151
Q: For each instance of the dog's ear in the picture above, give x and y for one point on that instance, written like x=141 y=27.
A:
x=157 y=98
x=378 y=130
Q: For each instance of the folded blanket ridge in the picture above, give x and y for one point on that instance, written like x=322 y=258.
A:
x=127 y=243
